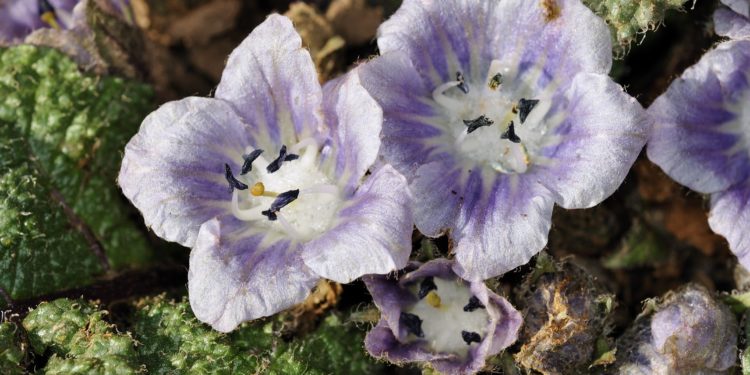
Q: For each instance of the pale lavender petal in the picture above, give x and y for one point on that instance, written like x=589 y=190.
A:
x=436 y=209
x=271 y=81
x=236 y=276
x=355 y=120
x=600 y=138
x=698 y=135
x=18 y=18
x=373 y=235
x=445 y=36
x=731 y=24
x=741 y=7
x=505 y=230
x=730 y=217
x=173 y=168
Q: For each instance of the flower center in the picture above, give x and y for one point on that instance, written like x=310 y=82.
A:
x=498 y=122
x=447 y=316
x=288 y=194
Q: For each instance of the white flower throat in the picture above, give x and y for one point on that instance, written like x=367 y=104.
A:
x=447 y=316
x=499 y=122
x=288 y=194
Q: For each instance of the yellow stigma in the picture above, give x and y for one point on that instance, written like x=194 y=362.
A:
x=433 y=299
x=258 y=189
x=49 y=18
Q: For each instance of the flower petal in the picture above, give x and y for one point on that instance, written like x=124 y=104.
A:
x=355 y=119
x=271 y=81
x=435 y=210
x=731 y=24
x=374 y=233
x=446 y=36
x=173 y=168
x=236 y=277
x=504 y=231
x=602 y=135
x=730 y=217
x=698 y=122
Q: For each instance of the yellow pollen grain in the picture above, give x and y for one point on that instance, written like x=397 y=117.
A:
x=258 y=189
x=433 y=299
x=49 y=18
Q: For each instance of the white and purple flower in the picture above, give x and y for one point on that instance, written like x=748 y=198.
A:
x=19 y=18
x=495 y=111
x=701 y=138
x=267 y=182
x=429 y=314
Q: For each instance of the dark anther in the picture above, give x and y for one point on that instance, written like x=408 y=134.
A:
x=234 y=183
x=462 y=84
x=524 y=108
x=412 y=323
x=496 y=81
x=473 y=304
x=247 y=166
x=427 y=285
x=276 y=164
x=470 y=337
x=477 y=123
x=510 y=134
x=280 y=202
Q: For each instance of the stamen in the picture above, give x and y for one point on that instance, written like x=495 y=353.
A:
x=473 y=304
x=234 y=183
x=280 y=202
x=470 y=337
x=477 y=123
x=525 y=106
x=276 y=164
x=47 y=14
x=247 y=166
x=427 y=285
x=496 y=81
x=510 y=134
x=462 y=84
x=412 y=323
x=433 y=299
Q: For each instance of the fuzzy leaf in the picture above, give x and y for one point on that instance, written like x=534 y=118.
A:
x=72 y=129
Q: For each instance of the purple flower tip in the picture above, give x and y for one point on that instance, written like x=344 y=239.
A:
x=494 y=112
x=690 y=333
x=268 y=183
x=430 y=314
x=701 y=138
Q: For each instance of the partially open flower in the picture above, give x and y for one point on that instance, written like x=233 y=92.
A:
x=269 y=196
x=429 y=314
x=690 y=332
x=733 y=20
x=497 y=110
x=18 y=18
x=701 y=138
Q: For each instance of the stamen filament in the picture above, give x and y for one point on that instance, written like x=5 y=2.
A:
x=250 y=214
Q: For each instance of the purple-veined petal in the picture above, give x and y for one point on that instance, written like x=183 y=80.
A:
x=741 y=7
x=731 y=24
x=442 y=37
x=730 y=217
x=407 y=110
x=435 y=209
x=373 y=235
x=235 y=276
x=173 y=168
x=355 y=121
x=505 y=230
x=600 y=138
x=699 y=122
x=271 y=81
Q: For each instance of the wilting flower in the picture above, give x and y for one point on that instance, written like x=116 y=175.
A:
x=701 y=138
x=496 y=110
x=690 y=333
x=734 y=19
x=429 y=314
x=18 y=18
x=269 y=196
